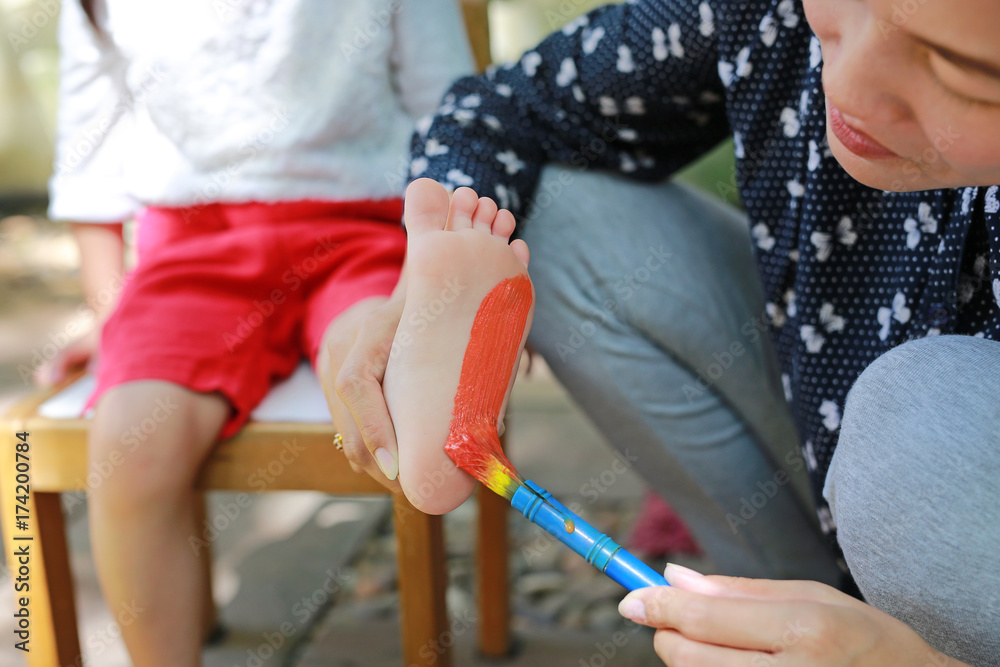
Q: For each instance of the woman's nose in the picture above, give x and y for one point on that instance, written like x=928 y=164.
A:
x=865 y=78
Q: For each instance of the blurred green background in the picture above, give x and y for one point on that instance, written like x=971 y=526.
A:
x=28 y=77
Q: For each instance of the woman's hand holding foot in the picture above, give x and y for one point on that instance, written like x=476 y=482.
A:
x=351 y=368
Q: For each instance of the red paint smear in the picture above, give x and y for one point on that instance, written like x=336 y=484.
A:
x=494 y=346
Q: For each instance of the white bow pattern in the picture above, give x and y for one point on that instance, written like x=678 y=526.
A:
x=927 y=224
x=831 y=415
x=763 y=236
x=829 y=322
x=898 y=312
x=844 y=234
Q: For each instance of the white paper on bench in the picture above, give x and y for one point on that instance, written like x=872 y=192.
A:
x=69 y=402
x=296 y=399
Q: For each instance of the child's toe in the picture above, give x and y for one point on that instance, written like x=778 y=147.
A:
x=426 y=207
x=503 y=224
x=486 y=211
x=520 y=249
x=463 y=205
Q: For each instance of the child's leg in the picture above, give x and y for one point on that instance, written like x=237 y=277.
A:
x=454 y=258
x=155 y=435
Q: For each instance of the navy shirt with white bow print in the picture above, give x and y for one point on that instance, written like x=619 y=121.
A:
x=647 y=86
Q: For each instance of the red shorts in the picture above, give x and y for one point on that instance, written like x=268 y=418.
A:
x=229 y=298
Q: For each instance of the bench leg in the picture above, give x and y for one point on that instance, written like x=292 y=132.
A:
x=209 y=613
x=492 y=575
x=423 y=582
x=54 y=638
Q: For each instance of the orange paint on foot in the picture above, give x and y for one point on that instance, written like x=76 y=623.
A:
x=494 y=344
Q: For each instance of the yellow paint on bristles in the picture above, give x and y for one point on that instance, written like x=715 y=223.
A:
x=499 y=479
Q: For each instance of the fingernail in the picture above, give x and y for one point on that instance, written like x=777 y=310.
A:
x=633 y=609
x=683 y=572
x=686 y=578
x=386 y=463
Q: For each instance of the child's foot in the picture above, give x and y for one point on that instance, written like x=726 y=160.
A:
x=456 y=254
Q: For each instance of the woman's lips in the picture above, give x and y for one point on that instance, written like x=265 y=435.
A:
x=857 y=142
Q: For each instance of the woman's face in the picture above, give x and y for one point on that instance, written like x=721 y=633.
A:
x=913 y=90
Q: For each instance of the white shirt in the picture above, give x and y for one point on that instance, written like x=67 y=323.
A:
x=194 y=101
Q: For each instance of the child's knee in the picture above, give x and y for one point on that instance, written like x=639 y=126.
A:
x=145 y=449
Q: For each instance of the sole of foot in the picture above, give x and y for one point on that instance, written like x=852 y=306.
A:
x=458 y=249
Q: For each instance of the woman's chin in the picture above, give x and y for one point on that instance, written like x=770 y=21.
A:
x=899 y=174
x=894 y=174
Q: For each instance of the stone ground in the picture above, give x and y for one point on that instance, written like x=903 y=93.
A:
x=276 y=560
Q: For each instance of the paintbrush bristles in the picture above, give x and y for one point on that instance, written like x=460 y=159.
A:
x=477 y=451
x=499 y=479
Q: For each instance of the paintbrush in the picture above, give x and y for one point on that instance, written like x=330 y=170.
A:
x=485 y=461
x=474 y=446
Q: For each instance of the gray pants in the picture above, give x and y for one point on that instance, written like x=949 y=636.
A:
x=649 y=310
x=914 y=487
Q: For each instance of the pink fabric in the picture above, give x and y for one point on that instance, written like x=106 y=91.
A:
x=658 y=531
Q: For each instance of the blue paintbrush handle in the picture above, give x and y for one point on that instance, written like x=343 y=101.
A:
x=539 y=507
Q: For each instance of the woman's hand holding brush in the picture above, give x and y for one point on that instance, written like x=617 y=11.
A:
x=721 y=621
